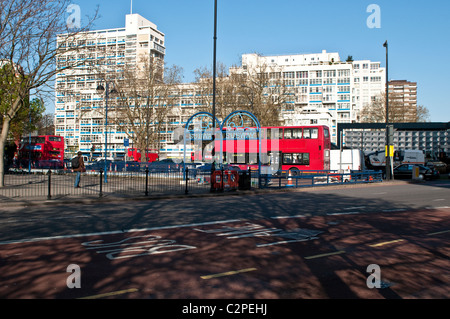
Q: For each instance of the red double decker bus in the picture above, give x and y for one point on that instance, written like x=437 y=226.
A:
x=43 y=151
x=135 y=155
x=293 y=149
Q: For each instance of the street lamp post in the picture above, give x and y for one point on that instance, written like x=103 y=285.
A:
x=388 y=130
x=100 y=88
x=214 y=97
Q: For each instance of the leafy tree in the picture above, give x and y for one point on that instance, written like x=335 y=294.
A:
x=28 y=118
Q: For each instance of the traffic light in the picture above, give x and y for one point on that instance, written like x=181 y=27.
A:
x=93 y=149
x=390 y=134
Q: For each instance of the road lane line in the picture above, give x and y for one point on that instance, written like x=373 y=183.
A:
x=114 y=293
x=438 y=233
x=326 y=255
x=346 y=213
x=288 y=217
x=386 y=243
x=228 y=273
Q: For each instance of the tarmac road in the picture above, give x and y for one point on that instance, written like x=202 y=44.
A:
x=313 y=243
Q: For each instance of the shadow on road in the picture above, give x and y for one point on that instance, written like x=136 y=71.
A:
x=38 y=269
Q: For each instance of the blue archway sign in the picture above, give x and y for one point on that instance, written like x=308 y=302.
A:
x=200 y=128
x=237 y=125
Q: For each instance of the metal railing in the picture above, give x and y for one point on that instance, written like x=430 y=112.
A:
x=22 y=185
x=284 y=179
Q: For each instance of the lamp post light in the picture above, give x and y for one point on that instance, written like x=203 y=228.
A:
x=101 y=89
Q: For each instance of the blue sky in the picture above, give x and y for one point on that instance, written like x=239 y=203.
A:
x=418 y=33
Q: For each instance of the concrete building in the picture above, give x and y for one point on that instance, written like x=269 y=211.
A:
x=325 y=90
x=101 y=54
x=429 y=137
x=404 y=93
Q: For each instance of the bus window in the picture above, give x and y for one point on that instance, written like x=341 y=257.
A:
x=274 y=157
x=297 y=133
x=37 y=140
x=326 y=132
x=305 y=158
x=314 y=133
x=239 y=158
x=296 y=158
x=306 y=133
x=288 y=134
x=252 y=158
x=54 y=138
x=287 y=158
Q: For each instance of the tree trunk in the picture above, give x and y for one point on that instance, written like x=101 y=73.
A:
x=3 y=137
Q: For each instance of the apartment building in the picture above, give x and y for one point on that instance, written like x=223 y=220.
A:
x=100 y=56
x=324 y=89
x=404 y=93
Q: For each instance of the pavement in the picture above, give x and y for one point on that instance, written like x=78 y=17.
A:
x=120 y=197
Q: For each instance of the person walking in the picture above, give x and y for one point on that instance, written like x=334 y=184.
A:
x=78 y=167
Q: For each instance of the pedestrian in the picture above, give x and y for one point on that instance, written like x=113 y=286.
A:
x=78 y=167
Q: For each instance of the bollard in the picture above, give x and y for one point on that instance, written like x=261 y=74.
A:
x=49 y=195
x=187 y=177
x=221 y=181
x=101 y=183
x=146 y=181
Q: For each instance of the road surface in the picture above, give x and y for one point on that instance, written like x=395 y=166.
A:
x=315 y=243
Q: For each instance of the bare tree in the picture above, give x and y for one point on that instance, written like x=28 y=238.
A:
x=144 y=101
x=423 y=114
x=399 y=112
x=264 y=93
x=260 y=91
x=28 y=29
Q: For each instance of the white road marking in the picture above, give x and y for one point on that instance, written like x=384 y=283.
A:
x=343 y=213
x=39 y=219
x=20 y=241
x=287 y=217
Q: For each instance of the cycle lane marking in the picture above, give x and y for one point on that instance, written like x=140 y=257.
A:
x=38 y=239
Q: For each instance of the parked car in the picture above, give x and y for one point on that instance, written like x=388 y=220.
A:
x=207 y=167
x=115 y=166
x=162 y=166
x=405 y=171
x=438 y=165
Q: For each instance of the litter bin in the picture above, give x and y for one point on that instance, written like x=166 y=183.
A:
x=244 y=180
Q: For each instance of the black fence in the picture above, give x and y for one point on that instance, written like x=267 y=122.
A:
x=284 y=179
x=22 y=185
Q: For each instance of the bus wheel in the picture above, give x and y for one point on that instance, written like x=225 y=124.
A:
x=294 y=172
